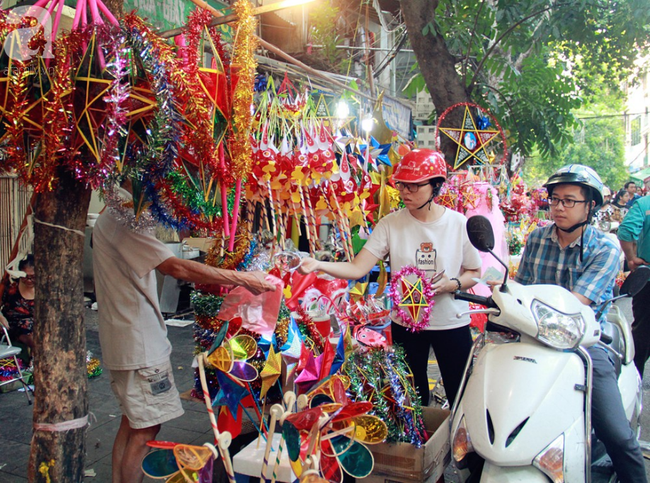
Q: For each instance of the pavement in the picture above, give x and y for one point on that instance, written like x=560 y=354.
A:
x=192 y=428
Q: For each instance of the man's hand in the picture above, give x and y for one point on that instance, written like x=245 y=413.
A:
x=635 y=262
x=256 y=283
x=308 y=265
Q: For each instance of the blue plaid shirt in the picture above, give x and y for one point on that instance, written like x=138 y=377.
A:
x=545 y=262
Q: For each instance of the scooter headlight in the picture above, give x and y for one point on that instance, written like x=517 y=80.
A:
x=462 y=444
x=550 y=460
x=558 y=330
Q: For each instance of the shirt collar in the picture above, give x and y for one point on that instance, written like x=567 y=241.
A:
x=552 y=234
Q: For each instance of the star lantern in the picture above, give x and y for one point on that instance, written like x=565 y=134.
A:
x=416 y=297
x=475 y=139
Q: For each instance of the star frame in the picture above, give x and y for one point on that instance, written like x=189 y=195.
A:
x=475 y=139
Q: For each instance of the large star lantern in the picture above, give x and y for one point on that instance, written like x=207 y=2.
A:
x=472 y=139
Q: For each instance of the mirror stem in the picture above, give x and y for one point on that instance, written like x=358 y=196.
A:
x=505 y=277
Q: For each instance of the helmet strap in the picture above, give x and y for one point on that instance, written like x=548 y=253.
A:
x=435 y=192
x=428 y=202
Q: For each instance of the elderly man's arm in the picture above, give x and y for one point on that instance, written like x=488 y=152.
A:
x=191 y=271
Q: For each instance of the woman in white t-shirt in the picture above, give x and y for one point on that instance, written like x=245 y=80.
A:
x=433 y=239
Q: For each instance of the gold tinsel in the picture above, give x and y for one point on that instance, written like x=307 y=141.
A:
x=243 y=66
x=282 y=331
x=92 y=368
x=218 y=256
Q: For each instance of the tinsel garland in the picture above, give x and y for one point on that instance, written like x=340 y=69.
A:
x=378 y=376
x=107 y=111
x=57 y=118
x=243 y=67
x=206 y=305
x=183 y=205
x=197 y=105
x=219 y=256
x=309 y=330
x=193 y=199
x=164 y=130
x=282 y=327
x=92 y=367
x=8 y=369
x=14 y=154
x=114 y=124
x=123 y=211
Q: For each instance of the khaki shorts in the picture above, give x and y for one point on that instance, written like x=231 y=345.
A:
x=147 y=396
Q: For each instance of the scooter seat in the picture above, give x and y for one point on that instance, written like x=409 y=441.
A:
x=616 y=346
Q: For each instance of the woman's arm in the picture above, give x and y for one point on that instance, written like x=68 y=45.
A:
x=357 y=268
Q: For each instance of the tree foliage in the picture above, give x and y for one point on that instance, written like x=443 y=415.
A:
x=598 y=140
x=526 y=60
x=325 y=33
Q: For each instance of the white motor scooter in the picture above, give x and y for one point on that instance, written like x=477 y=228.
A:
x=524 y=404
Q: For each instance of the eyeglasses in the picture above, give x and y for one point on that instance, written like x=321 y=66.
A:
x=410 y=187
x=30 y=277
x=568 y=203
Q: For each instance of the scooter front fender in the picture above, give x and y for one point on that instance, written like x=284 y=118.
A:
x=519 y=398
x=519 y=474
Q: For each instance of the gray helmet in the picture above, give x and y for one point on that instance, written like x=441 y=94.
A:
x=578 y=174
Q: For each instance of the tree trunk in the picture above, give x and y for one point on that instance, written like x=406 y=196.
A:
x=60 y=376
x=437 y=65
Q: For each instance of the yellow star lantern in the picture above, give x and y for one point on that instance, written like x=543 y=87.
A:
x=271 y=371
x=358 y=291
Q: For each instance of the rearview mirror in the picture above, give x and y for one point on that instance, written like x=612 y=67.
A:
x=479 y=231
x=635 y=281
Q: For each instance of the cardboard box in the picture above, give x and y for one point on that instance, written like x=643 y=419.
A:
x=391 y=479
x=404 y=463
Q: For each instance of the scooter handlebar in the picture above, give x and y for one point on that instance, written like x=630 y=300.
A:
x=476 y=299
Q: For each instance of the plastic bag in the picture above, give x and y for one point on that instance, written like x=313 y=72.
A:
x=259 y=313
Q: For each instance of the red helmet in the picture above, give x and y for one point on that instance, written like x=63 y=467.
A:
x=420 y=165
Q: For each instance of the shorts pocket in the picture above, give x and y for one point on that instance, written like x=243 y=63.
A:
x=156 y=382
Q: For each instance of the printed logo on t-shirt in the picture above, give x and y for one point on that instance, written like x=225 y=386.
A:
x=425 y=257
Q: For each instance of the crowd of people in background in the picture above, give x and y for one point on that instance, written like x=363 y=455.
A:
x=617 y=204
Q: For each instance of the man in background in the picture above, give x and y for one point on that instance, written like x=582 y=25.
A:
x=634 y=235
x=631 y=187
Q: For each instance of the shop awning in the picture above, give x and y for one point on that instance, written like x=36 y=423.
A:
x=641 y=175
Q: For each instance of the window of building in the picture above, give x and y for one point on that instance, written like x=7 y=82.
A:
x=635 y=131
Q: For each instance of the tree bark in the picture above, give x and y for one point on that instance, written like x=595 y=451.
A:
x=60 y=375
x=437 y=65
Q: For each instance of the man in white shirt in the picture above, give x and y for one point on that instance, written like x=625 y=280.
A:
x=132 y=331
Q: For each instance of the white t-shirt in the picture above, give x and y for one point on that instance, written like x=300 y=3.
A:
x=132 y=330
x=434 y=246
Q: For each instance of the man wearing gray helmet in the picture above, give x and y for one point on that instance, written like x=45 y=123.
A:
x=575 y=255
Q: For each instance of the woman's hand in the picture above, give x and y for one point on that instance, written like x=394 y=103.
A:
x=444 y=285
x=308 y=265
x=4 y=321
